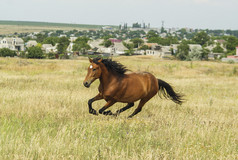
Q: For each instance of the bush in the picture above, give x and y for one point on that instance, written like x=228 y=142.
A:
x=5 y=52
x=35 y=52
x=51 y=55
x=195 y=54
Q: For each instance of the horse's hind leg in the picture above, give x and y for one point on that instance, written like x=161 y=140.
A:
x=129 y=105
x=138 y=109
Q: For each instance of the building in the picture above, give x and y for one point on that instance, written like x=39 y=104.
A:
x=161 y=51
x=15 y=44
x=47 y=48
x=31 y=43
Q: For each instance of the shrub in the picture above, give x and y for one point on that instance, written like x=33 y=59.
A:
x=35 y=52
x=5 y=52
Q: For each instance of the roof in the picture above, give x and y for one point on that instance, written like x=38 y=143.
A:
x=191 y=46
x=46 y=46
x=113 y=40
x=119 y=46
x=95 y=43
x=31 y=42
x=151 y=44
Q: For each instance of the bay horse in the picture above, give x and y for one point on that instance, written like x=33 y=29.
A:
x=118 y=86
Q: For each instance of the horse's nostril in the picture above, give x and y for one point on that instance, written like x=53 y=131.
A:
x=86 y=84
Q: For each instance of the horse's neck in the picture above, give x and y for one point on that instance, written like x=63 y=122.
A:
x=106 y=77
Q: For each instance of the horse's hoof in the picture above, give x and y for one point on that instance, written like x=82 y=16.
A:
x=93 y=111
x=107 y=112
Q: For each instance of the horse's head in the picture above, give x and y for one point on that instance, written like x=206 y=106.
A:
x=94 y=72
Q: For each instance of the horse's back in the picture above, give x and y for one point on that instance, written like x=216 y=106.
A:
x=138 y=85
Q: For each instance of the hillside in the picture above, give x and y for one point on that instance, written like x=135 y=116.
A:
x=10 y=27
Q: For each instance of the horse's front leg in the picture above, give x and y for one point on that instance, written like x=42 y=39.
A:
x=109 y=104
x=96 y=98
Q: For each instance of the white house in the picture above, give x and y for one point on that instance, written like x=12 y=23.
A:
x=118 y=48
x=47 y=48
x=16 y=44
x=70 y=47
x=72 y=39
x=157 y=50
x=31 y=43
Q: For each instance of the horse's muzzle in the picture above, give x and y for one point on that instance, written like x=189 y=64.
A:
x=86 y=84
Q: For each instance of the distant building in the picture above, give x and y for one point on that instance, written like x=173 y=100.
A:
x=47 y=48
x=31 y=43
x=158 y=50
x=16 y=44
x=72 y=39
x=70 y=47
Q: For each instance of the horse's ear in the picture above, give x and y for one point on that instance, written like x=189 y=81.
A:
x=100 y=60
x=90 y=60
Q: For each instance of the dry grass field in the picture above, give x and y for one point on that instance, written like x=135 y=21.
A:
x=44 y=113
x=10 y=29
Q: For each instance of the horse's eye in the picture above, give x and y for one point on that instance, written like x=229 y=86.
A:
x=94 y=69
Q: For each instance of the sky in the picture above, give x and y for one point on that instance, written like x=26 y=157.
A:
x=196 y=14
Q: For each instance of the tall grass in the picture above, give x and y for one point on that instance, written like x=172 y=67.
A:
x=44 y=113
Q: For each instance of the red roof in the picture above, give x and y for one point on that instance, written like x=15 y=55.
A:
x=113 y=40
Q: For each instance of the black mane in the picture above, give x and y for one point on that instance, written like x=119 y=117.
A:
x=113 y=66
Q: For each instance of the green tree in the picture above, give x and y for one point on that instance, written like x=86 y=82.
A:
x=144 y=47
x=40 y=38
x=183 y=50
x=130 y=47
x=82 y=39
x=5 y=52
x=231 y=43
x=81 y=44
x=201 y=38
x=82 y=47
x=151 y=34
x=107 y=43
x=205 y=53
x=164 y=41
x=137 y=42
x=195 y=54
x=218 y=49
x=51 y=40
x=63 y=43
x=35 y=52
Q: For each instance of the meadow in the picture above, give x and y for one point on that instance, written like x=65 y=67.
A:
x=44 y=113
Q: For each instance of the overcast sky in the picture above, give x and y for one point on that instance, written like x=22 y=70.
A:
x=200 y=14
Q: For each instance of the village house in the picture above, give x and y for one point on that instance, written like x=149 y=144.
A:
x=15 y=44
x=31 y=43
x=47 y=48
x=70 y=47
x=72 y=39
x=118 y=48
x=158 y=50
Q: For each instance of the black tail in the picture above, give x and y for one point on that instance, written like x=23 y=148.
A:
x=168 y=92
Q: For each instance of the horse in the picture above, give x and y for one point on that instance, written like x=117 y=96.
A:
x=118 y=86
